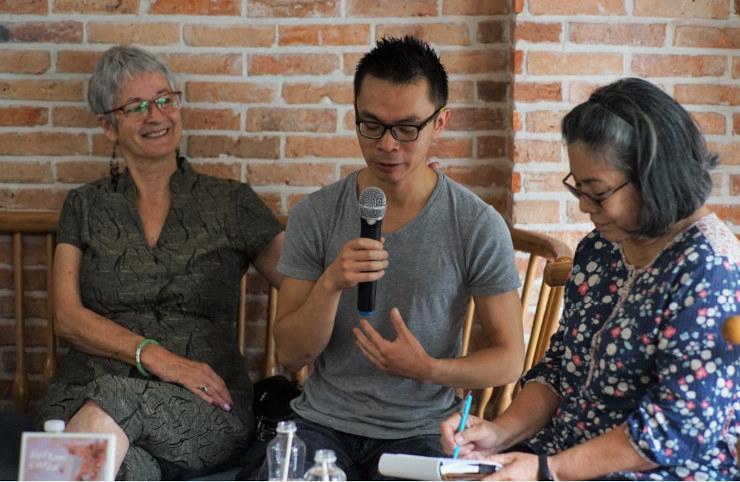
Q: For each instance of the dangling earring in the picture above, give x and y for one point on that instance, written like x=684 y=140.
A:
x=113 y=165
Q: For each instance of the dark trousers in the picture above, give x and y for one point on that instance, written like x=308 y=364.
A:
x=357 y=456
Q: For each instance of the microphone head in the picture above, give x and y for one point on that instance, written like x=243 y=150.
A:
x=372 y=204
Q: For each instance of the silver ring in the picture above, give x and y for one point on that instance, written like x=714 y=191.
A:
x=203 y=388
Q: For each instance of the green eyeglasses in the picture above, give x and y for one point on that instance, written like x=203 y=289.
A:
x=165 y=103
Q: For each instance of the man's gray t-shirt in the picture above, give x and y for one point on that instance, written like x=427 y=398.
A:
x=455 y=248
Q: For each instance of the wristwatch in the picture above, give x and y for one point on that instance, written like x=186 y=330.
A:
x=543 y=469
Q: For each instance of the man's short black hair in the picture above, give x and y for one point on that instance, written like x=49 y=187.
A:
x=655 y=143
x=404 y=61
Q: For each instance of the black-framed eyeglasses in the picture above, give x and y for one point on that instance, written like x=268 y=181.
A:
x=597 y=199
x=166 y=102
x=400 y=132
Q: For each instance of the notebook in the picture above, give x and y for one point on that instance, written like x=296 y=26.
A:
x=418 y=467
x=67 y=456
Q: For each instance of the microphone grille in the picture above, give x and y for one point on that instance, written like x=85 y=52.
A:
x=372 y=203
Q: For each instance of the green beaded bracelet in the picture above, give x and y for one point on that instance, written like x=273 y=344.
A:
x=142 y=344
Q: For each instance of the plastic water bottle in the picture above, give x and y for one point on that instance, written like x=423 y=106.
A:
x=286 y=453
x=325 y=467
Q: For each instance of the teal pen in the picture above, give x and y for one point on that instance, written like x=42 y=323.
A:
x=463 y=420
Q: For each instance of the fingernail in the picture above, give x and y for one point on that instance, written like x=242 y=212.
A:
x=227 y=407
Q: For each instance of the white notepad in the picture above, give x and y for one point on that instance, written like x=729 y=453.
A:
x=417 y=467
x=67 y=456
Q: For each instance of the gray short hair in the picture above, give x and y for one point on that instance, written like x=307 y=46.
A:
x=118 y=64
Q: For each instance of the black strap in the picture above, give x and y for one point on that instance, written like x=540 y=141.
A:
x=543 y=469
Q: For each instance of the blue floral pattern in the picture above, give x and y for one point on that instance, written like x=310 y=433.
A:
x=643 y=347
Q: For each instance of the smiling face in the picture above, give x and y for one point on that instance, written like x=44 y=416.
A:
x=157 y=135
x=594 y=173
x=389 y=160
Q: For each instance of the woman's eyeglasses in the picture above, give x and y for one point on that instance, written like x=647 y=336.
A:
x=139 y=109
x=598 y=199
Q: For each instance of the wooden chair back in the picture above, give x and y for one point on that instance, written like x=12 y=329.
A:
x=21 y=225
x=555 y=259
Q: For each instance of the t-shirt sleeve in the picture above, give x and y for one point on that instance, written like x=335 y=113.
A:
x=257 y=223
x=490 y=255
x=69 y=230
x=304 y=247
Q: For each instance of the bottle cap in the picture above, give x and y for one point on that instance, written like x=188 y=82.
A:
x=286 y=426
x=54 y=426
x=324 y=455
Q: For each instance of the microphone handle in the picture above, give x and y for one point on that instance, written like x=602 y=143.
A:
x=366 y=290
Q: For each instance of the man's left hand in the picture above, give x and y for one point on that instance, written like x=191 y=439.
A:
x=515 y=466
x=403 y=356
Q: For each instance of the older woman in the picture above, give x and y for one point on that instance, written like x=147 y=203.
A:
x=147 y=276
x=637 y=383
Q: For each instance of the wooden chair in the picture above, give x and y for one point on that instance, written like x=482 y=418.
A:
x=21 y=225
x=557 y=259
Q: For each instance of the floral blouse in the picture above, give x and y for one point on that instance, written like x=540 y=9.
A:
x=643 y=347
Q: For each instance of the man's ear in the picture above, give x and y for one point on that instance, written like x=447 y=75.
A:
x=109 y=129
x=441 y=122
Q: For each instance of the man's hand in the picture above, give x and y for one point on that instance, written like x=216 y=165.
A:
x=361 y=260
x=478 y=440
x=403 y=356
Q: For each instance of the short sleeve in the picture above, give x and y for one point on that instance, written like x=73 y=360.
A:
x=303 y=250
x=70 y=220
x=490 y=255
x=257 y=223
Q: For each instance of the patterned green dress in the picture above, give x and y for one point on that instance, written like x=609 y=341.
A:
x=183 y=292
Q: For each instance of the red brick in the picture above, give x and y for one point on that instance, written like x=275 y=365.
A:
x=220 y=169
x=710 y=122
x=536 y=212
x=573 y=63
x=691 y=10
x=381 y=8
x=643 y=35
x=79 y=62
x=493 y=91
x=518 y=61
x=227 y=36
x=736 y=67
x=516 y=182
x=347 y=169
x=293 y=64
x=707 y=37
x=492 y=31
x=101 y=146
x=32 y=198
x=542 y=181
x=437 y=33
x=291 y=174
x=24 y=61
x=212 y=64
x=39 y=7
x=36 y=172
x=81 y=171
x=42 y=143
x=576 y=7
x=735 y=184
x=491 y=147
x=451 y=148
x=273 y=201
x=476 y=119
x=196 y=7
x=197 y=119
x=581 y=91
x=256 y=147
x=707 y=94
x=476 y=7
x=349 y=62
x=53 y=32
x=545 y=121
x=573 y=213
x=313 y=146
x=305 y=93
x=73 y=117
x=139 y=33
x=538 y=92
x=293 y=8
x=240 y=92
x=729 y=152
x=736 y=123
x=475 y=62
x=537 y=32
x=301 y=120
x=460 y=91
x=661 y=65
x=516 y=121
x=354 y=34
x=518 y=6
x=23 y=116
x=486 y=176
x=531 y=150
x=95 y=6
x=729 y=213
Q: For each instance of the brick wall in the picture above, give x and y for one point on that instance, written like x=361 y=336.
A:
x=269 y=99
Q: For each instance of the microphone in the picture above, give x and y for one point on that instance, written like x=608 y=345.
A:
x=372 y=209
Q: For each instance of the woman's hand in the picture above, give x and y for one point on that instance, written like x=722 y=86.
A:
x=515 y=466
x=480 y=438
x=197 y=377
